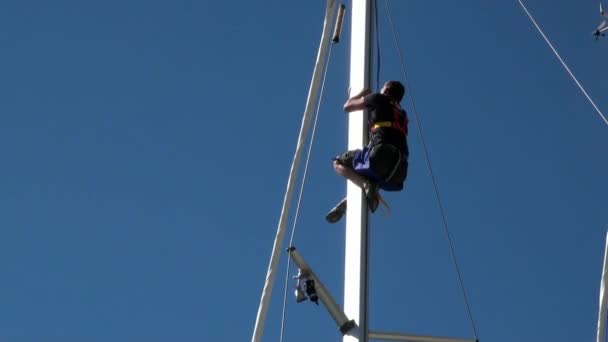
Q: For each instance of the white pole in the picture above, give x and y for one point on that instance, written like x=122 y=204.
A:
x=387 y=336
x=344 y=324
x=356 y=242
x=601 y=319
x=313 y=95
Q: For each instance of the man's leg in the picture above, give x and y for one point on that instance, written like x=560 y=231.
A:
x=349 y=174
x=370 y=188
x=343 y=165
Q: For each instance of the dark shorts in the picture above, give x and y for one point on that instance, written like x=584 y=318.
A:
x=380 y=163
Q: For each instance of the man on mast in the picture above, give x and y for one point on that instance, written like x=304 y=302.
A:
x=382 y=164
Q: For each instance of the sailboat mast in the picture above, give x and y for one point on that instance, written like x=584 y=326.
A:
x=356 y=240
x=601 y=317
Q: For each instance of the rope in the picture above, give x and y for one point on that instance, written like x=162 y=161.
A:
x=295 y=221
x=428 y=160
x=563 y=63
x=378 y=59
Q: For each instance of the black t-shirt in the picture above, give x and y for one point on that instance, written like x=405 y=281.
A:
x=382 y=110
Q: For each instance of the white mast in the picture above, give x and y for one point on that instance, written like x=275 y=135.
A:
x=356 y=245
x=352 y=321
x=601 y=317
x=357 y=249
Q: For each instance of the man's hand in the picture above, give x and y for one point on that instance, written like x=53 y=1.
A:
x=356 y=102
x=363 y=92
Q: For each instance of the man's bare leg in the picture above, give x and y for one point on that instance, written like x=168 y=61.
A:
x=369 y=187
x=338 y=211
x=349 y=174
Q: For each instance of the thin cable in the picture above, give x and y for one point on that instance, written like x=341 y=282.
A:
x=378 y=59
x=295 y=221
x=436 y=187
x=564 y=63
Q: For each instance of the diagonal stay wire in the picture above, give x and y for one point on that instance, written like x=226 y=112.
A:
x=436 y=187
x=564 y=63
x=295 y=220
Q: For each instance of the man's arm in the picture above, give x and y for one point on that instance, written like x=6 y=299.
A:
x=356 y=102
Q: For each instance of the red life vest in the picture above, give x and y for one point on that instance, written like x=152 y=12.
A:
x=399 y=121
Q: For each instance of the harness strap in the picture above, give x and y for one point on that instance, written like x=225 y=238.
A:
x=397 y=163
x=380 y=124
x=386 y=211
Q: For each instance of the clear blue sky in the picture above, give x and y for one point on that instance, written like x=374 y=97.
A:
x=146 y=145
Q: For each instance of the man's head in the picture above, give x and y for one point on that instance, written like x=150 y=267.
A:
x=393 y=89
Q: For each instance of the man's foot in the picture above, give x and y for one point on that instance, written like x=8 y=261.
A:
x=371 y=194
x=337 y=212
